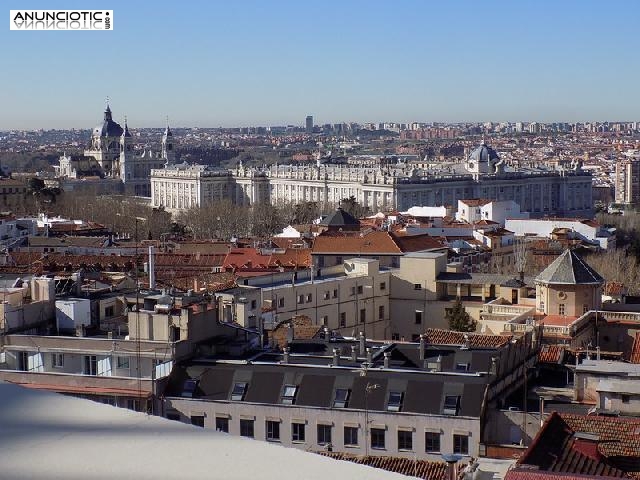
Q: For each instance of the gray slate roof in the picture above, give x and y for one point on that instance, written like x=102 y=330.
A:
x=569 y=269
x=340 y=218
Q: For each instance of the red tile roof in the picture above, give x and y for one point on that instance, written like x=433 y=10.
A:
x=559 y=320
x=372 y=243
x=406 y=466
x=635 y=349
x=551 y=354
x=292 y=257
x=612 y=449
x=238 y=258
x=475 y=202
x=417 y=243
x=448 y=337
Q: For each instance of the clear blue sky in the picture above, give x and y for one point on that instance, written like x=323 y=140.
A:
x=259 y=62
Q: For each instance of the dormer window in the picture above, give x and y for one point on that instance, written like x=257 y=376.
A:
x=451 y=405
x=342 y=398
x=239 y=390
x=289 y=394
x=395 y=401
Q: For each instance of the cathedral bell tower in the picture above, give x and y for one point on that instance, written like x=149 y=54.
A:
x=168 y=153
x=126 y=153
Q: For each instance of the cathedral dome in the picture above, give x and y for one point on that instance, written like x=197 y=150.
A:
x=483 y=154
x=108 y=128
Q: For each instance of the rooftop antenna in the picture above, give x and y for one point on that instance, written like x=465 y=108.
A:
x=107 y=101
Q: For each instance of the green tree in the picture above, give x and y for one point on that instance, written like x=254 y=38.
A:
x=458 y=318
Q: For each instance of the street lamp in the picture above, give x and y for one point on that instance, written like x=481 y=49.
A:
x=368 y=389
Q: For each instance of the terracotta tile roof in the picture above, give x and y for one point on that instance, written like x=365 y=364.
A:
x=559 y=320
x=448 y=337
x=612 y=448
x=635 y=349
x=517 y=474
x=406 y=466
x=292 y=257
x=372 y=243
x=475 y=202
x=416 y=243
x=190 y=261
x=303 y=329
x=551 y=354
x=238 y=258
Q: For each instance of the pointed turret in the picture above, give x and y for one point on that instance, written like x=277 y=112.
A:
x=167 y=145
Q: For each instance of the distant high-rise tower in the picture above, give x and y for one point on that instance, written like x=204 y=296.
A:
x=168 y=153
x=309 y=124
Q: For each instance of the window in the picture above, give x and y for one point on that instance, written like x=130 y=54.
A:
x=585 y=308
x=281 y=302
x=377 y=438
x=395 y=401
x=335 y=293
x=122 y=362
x=189 y=388
x=325 y=320
x=90 y=365
x=395 y=337
x=418 y=317
x=246 y=428
x=253 y=304
x=300 y=299
x=327 y=295
x=451 y=404
x=353 y=291
x=461 y=444
x=297 y=432
x=108 y=311
x=381 y=312
x=342 y=398
x=363 y=315
x=541 y=306
x=351 y=436
x=561 y=309
x=383 y=285
x=405 y=440
x=343 y=319
x=273 y=430
x=239 y=389
x=222 y=424
x=625 y=398
x=309 y=298
x=338 y=260
x=417 y=286
x=324 y=434
x=431 y=442
x=289 y=394
x=57 y=360
x=197 y=420
x=360 y=289
x=462 y=367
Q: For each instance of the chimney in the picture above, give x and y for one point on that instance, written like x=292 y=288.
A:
x=369 y=356
x=422 y=346
x=387 y=356
x=494 y=366
x=336 y=357
x=290 y=332
x=354 y=353
x=439 y=363
x=152 y=268
x=285 y=355
x=363 y=343
x=541 y=411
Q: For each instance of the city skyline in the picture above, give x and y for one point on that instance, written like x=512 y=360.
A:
x=227 y=65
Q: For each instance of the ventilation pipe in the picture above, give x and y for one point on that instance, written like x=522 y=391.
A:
x=363 y=343
x=336 y=357
x=152 y=268
x=387 y=356
x=285 y=356
x=422 y=346
x=369 y=356
x=354 y=353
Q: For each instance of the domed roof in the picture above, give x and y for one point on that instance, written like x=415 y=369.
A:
x=108 y=128
x=483 y=154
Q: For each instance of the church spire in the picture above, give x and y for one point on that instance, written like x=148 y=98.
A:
x=107 y=111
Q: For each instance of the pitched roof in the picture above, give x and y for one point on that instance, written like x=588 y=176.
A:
x=551 y=354
x=436 y=336
x=635 y=349
x=612 y=448
x=569 y=269
x=340 y=218
x=405 y=466
x=417 y=243
x=373 y=243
